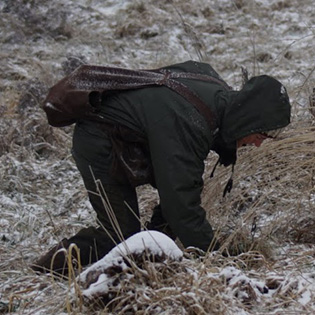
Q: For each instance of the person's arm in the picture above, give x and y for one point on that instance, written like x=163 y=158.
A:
x=178 y=162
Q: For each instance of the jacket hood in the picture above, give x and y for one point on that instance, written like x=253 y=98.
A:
x=262 y=105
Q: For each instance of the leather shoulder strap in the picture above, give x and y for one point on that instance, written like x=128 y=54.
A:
x=183 y=90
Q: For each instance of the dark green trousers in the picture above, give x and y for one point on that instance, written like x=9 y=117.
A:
x=92 y=152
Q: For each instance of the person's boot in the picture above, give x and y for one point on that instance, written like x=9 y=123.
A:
x=57 y=264
x=158 y=223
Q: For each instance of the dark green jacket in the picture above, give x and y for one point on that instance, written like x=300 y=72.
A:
x=180 y=139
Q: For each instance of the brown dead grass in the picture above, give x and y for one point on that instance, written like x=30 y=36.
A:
x=270 y=212
x=274 y=193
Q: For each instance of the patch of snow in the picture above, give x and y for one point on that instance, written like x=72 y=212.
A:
x=112 y=7
x=154 y=242
x=7 y=202
x=157 y=243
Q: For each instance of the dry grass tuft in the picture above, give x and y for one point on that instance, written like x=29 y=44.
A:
x=273 y=196
x=192 y=286
x=268 y=218
x=25 y=130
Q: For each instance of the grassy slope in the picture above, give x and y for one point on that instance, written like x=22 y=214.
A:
x=270 y=209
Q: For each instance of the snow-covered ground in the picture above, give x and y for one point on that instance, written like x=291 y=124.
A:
x=270 y=209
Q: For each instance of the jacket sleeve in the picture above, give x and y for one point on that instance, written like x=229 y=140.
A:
x=178 y=154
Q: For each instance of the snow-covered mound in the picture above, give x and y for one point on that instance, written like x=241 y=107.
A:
x=98 y=279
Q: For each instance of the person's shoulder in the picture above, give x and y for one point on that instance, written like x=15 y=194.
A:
x=186 y=66
x=193 y=67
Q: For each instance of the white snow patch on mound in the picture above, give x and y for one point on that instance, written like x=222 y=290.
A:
x=151 y=242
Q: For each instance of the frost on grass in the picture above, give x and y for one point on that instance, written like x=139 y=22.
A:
x=99 y=279
x=271 y=207
x=130 y=265
x=190 y=285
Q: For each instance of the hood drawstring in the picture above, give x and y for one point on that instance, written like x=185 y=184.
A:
x=229 y=185
x=215 y=166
